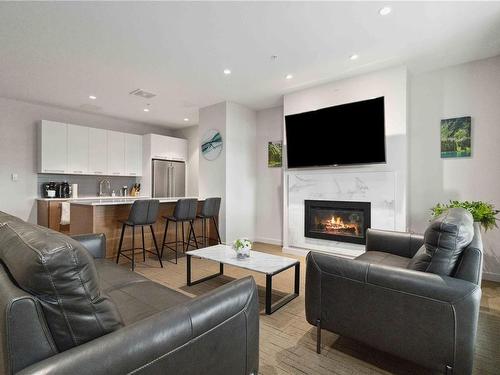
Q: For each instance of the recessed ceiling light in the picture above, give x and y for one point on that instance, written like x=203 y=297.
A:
x=227 y=71
x=354 y=57
x=289 y=76
x=186 y=119
x=146 y=109
x=385 y=11
x=92 y=97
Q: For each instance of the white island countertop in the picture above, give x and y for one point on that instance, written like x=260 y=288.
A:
x=113 y=201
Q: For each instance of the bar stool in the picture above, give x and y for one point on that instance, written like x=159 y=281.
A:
x=209 y=210
x=143 y=213
x=185 y=211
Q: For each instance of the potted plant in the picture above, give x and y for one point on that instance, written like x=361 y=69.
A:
x=483 y=213
x=242 y=246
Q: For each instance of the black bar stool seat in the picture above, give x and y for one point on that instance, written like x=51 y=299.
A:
x=143 y=213
x=184 y=212
x=209 y=210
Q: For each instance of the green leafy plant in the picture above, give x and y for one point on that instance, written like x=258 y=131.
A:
x=484 y=213
x=241 y=243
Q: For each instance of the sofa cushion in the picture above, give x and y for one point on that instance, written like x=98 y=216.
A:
x=444 y=241
x=135 y=296
x=61 y=274
x=386 y=259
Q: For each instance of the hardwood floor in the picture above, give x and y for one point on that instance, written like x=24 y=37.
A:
x=288 y=342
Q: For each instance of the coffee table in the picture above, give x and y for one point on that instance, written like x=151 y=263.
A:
x=268 y=264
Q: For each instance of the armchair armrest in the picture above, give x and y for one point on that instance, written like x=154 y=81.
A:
x=94 y=243
x=215 y=333
x=397 y=243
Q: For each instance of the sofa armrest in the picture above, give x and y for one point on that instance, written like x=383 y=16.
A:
x=94 y=243
x=216 y=333
x=397 y=243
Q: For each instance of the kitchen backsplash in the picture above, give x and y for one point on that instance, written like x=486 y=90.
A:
x=88 y=185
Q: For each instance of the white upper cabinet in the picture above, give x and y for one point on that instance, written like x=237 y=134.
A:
x=116 y=153
x=98 y=151
x=133 y=155
x=164 y=147
x=75 y=149
x=53 y=147
x=78 y=149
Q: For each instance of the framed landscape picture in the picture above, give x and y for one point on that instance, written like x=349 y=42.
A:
x=274 y=154
x=456 y=137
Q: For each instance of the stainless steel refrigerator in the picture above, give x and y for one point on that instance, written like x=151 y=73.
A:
x=169 y=178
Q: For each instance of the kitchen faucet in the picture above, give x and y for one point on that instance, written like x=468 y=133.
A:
x=100 y=187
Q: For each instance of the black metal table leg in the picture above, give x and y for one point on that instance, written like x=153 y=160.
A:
x=269 y=293
x=190 y=282
x=272 y=307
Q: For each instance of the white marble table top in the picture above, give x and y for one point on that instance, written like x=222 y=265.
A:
x=259 y=262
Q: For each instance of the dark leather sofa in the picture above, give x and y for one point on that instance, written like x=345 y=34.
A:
x=66 y=310
x=413 y=296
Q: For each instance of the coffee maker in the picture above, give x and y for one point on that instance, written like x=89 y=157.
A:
x=50 y=190
x=64 y=190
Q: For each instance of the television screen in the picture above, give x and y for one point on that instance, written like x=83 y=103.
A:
x=352 y=133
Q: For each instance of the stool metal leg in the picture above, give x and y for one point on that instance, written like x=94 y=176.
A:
x=164 y=238
x=120 y=245
x=156 y=245
x=191 y=223
x=216 y=229
x=143 y=245
x=133 y=247
x=183 y=235
x=176 y=239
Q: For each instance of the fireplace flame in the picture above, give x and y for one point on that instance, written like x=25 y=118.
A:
x=338 y=224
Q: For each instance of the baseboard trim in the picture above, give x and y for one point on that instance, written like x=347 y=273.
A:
x=491 y=276
x=270 y=241
x=295 y=251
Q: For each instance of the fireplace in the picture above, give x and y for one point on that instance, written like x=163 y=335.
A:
x=337 y=220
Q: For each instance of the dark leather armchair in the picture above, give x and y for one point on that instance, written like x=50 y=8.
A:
x=428 y=318
x=160 y=330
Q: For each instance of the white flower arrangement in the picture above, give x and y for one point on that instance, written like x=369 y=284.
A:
x=242 y=246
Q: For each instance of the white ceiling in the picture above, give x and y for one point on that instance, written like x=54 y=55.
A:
x=60 y=53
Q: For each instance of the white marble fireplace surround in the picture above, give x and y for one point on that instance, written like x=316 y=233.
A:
x=378 y=188
x=384 y=185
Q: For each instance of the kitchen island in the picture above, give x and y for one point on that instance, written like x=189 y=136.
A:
x=105 y=216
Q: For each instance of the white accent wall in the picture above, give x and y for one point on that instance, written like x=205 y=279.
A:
x=232 y=176
x=471 y=89
x=269 y=209
x=384 y=185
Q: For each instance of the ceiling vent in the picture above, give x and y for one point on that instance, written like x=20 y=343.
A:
x=143 y=94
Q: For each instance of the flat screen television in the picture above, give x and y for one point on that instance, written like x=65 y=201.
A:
x=352 y=133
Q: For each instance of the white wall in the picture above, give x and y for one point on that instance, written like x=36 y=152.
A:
x=471 y=89
x=193 y=161
x=18 y=148
x=240 y=172
x=232 y=176
x=390 y=83
x=269 y=205
x=212 y=174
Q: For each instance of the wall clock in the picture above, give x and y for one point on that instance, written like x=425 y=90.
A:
x=211 y=144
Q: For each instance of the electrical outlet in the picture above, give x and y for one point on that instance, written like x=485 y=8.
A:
x=14 y=177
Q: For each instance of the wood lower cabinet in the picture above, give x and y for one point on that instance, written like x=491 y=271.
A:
x=49 y=215
x=108 y=219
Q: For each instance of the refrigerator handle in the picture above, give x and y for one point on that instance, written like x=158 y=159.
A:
x=173 y=182
x=171 y=177
x=169 y=181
